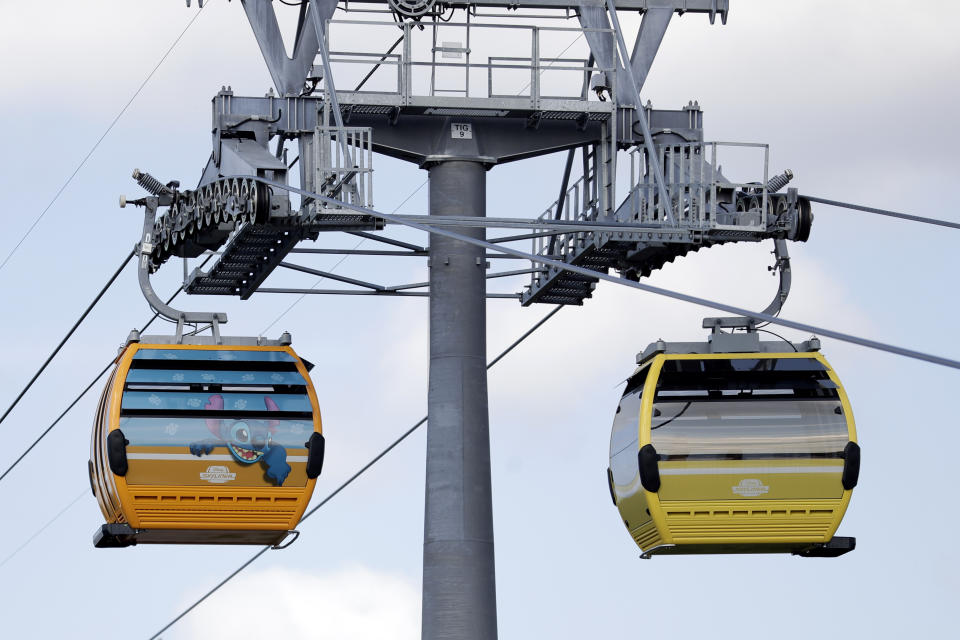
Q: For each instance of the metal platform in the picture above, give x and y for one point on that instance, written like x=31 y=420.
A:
x=254 y=251
x=545 y=109
x=601 y=252
x=705 y=209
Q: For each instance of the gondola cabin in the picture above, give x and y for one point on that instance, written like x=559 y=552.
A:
x=734 y=452
x=205 y=443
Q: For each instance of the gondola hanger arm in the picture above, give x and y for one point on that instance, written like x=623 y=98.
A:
x=781 y=266
x=143 y=250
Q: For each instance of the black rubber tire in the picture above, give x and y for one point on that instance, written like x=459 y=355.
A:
x=804 y=220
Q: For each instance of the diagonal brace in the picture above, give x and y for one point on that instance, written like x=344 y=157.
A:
x=644 y=126
x=332 y=276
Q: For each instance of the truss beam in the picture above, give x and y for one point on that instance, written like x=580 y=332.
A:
x=332 y=276
x=364 y=252
x=394 y=254
x=288 y=73
x=391 y=241
x=360 y=292
x=710 y=7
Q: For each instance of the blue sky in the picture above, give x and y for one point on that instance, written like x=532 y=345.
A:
x=857 y=98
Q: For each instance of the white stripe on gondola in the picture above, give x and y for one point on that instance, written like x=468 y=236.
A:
x=739 y=471
x=218 y=457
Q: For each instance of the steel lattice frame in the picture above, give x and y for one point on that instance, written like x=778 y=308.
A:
x=678 y=201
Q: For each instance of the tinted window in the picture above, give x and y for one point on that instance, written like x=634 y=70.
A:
x=626 y=423
x=737 y=408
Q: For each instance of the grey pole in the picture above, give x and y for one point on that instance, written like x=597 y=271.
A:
x=459 y=587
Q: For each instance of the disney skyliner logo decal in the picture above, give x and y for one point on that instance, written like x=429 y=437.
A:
x=218 y=474
x=750 y=488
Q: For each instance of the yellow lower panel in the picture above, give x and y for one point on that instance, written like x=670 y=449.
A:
x=804 y=479
x=646 y=536
x=634 y=509
x=754 y=521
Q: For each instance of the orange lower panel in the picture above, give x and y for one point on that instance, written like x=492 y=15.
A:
x=208 y=508
x=177 y=466
x=214 y=520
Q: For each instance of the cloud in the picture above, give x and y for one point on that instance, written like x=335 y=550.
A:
x=350 y=604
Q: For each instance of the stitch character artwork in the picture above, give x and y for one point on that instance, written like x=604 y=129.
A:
x=248 y=441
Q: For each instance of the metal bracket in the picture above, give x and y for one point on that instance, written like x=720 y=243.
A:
x=143 y=276
x=649 y=553
x=782 y=265
x=290 y=538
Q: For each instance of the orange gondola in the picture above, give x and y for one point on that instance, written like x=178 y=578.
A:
x=203 y=441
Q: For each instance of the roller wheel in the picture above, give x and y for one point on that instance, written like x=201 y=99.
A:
x=804 y=220
x=260 y=195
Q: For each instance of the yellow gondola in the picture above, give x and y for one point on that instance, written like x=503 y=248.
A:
x=204 y=443
x=750 y=452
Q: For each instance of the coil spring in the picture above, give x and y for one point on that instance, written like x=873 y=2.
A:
x=779 y=182
x=149 y=183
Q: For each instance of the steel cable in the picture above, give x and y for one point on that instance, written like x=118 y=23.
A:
x=67 y=337
x=349 y=480
x=676 y=295
x=337 y=264
x=43 y=528
x=99 y=140
x=54 y=423
x=82 y=393
x=885 y=212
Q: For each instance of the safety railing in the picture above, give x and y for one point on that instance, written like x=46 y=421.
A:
x=533 y=86
x=700 y=195
x=580 y=204
x=344 y=168
x=505 y=63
